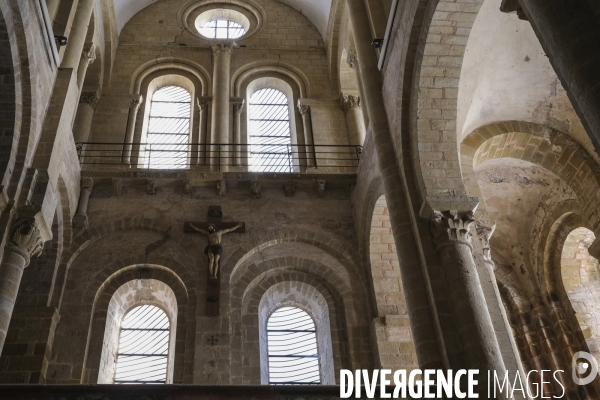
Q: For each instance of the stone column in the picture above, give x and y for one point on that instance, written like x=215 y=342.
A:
x=237 y=137
x=220 y=104
x=202 y=142
x=80 y=219
x=352 y=60
x=52 y=6
x=569 y=32
x=452 y=238
x=134 y=106
x=26 y=240
x=309 y=148
x=78 y=34
x=88 y=56
x=88 y=101
x=425 y=326
x=355 y=122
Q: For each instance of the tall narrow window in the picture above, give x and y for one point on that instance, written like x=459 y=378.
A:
x=292 y=344
x=270 y=141
x=168 y=128
x=143 y=346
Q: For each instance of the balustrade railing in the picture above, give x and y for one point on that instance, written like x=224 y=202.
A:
x=280 y=158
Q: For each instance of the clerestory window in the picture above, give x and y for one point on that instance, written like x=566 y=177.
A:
x=269 y=132
x=143 y=350
x=292 y=347
x=221 y=29
x=168 y=129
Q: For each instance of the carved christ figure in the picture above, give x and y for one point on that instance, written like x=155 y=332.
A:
x=214 y=248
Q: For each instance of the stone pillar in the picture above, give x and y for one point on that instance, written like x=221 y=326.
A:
x=134 y=106
x=202 y=142
x=309 y=148
x=88 y=56
x=80 y=219
x=452 y=238
x=355 y=122
x=220 y=104
x=26 y=240
x=88 y=101
x=78 y=34
x=237 y=137
x=569 y=32
x=352 y=60
x=52 y=6
x=425 y=326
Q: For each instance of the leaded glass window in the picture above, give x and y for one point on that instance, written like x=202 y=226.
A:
x=221 y=29
x=168 y=129
x=143 y=346
x=269 y=127
x=292 y=344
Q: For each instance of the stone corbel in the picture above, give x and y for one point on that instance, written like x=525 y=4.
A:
x=485 y=229
x=321 y=187
x=256 y=190
x=80 y=220
x=349 y=102
x=222 y=188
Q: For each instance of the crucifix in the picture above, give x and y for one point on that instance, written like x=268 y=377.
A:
x=214 y=228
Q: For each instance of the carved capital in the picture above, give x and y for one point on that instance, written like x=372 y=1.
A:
x=90 y=98
x=222 y=47
x=351 y=57
x=202 y=105
x=87 y=184
x=239 y=107
x=350 y=101
x=303 y=108
x=449 y=227
x=485 y=230
x=89 y=53
x=135 y=102
x=27 y=238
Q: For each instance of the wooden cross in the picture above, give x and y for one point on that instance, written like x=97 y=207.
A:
x=213 y=289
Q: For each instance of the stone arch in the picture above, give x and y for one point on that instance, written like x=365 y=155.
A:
x=307 y=298
x=103 y=300
x=443 y=38
x=245 y=300
x=289 y=73
x=160 y=66
x=540 y=145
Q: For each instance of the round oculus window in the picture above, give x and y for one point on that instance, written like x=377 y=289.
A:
x=222 y=24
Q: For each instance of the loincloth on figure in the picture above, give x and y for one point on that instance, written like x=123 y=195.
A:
x=216 y=249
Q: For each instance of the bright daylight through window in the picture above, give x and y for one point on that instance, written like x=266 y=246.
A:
x=221 y=29
x=293 y=355
x=270 y=141
x=143 y=346
x=168 y=129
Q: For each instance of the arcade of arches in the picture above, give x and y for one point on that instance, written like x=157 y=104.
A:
x=419 y=178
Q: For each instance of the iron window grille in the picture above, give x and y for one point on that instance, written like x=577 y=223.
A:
x=168 y=129
x=270 y=140
x=292 y=348
x=143 y=351
x=221 y=29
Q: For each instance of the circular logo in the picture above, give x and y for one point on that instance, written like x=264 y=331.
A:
x=583 y=364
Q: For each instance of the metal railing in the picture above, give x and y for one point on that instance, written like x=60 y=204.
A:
x=280 y=158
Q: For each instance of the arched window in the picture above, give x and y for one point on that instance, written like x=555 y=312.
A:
x=168 y=128
x=143 y=350
x=269 y=132
x=292 y=346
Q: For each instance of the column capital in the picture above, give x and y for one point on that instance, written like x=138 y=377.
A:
x=485 y=229
x=303 y=108
x=202 y=105
x=87 y=183
x=90 y=98
x=136 y=101
x=351 y=57
x=239 y=107
x=448 y=227
x=89 y=53
x=222 y=46
x=350 y=101
x=27 y=238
